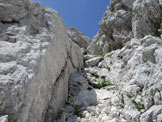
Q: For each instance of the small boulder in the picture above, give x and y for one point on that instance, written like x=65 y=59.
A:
x=92 y=97
x=93 y=62
x=77 y=83
x=151 y=113
x=87 y=57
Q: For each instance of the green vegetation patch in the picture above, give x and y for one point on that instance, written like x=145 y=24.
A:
x=109 y=55
x=122 y=99
x=103 y=84
x=76 y=108
x=96 y=75
x=129 y=95
x=102 y=55
x=138 y=107
x=108 y=68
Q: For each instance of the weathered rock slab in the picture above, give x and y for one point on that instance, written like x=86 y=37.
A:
x=93 y=61
x=36 y=59
x=125 y=19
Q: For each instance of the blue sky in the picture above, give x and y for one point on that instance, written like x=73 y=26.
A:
x=82 y=14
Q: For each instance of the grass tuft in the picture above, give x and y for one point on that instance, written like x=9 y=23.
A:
x=103 y=84
x=77 y=109
x=102 y=55
x=96 y=75
x=109 y=56
x=108 y=68
x=129 y=95
x=138 y=107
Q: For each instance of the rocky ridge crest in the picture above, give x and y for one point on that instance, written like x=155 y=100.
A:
x=124 y=20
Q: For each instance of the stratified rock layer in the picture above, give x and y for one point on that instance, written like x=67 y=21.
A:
x=36 y=59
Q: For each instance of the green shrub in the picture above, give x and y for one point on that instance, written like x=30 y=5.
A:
x=122 y=99
x=76 y=108
x=108 y=68
x=138 y=107
x=102 y=55
x=129 y=95
x=109 y=56
x=77 y=111
x=96 y=75
x=103 y=84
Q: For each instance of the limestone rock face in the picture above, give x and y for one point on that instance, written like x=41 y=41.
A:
x=4 y=118
x=79 y=38
x=10 y=10
x=123 y=20
x=125 y=86
x=151 y=113
x=129 y=78
x=36 y=59
x=142 y=23
x=135 y=69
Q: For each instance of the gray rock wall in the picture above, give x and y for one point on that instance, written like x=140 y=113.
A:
x=130 y=31
x=36 y=59
x=126 y=19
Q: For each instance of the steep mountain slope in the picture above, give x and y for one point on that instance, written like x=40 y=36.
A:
x=124 y=20
x=125 y=74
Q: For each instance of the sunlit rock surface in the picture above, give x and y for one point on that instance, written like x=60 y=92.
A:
x=36 y=59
